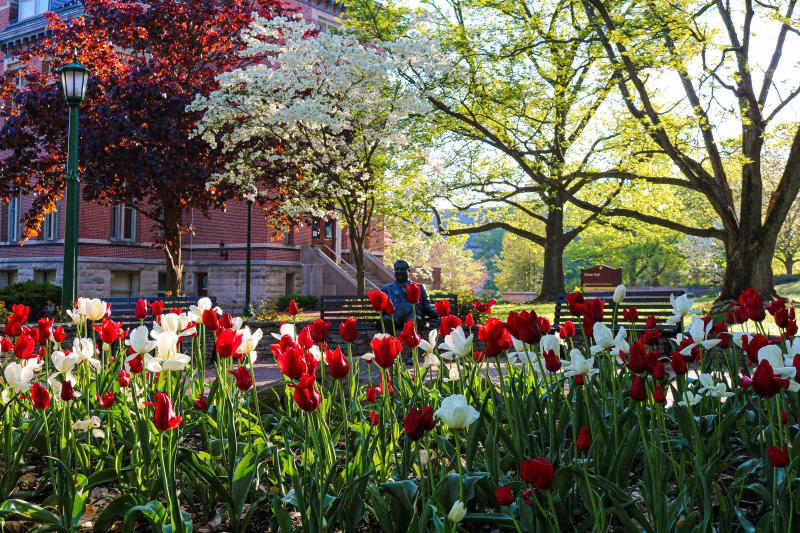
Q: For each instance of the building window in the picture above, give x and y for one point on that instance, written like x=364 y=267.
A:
x=123 y=223
x=124 y=284
x=162 y=284
x=14 y=213
x=201 y=284
x=44 y=276
x=8 y=277
x=31 y=8
x=315 y=229
x=329 y=230
x=289 y=283
x=50 y=225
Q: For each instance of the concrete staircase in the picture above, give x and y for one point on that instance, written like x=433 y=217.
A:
x=322 y=275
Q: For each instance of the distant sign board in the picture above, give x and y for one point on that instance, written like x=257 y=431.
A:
x=600 y=278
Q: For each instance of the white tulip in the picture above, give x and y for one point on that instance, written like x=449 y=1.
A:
x=18 y=377
x=681 y=306
x=167 y=350
x=620 y=344
x=690 y=399
x=139 y=341
x=698 y=331
x=249 y=342
x=578 y=365
x=456 y=344
x=428 y=345
x=456 y=413
x=717 y=390
x=550 y=342
x=772 y=354
x=457 y=512
x=619 y=294
x=84 y=349
x=287 y=328
x=94 y=309
x=603 y=337
x=63 y=363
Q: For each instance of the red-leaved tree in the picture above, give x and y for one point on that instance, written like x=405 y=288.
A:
x=148 y=60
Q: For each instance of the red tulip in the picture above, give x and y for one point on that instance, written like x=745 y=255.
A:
x=378 y=300
x=293 y=361
x=752 y=304
x=524 y=326
x=349 y=330
x=136 y=365
x=306 y=395
x=304 y=339
x=637 y=360
x=59 y=335
x=575 y=303
x=385 y=348
x=157 y=308
x=752 y=345
x=544 y=324
x=678 y=364
x=244 y=380
x=374 y=419
x=784 y=417
x=538 y=472
x=765 y=383
x=372 y=394
x=141 y=309
x=630 y=314
x=338 y=367
x=658 y=394
x=650 y=322
x=39 y=396
x=293 y=310
x=67 y=391
x=164 y=417
x=12 y=328
x=469 y=320
x=6 y=346
x=200 y=404
x=409 y=336
x=210 y=320
x=227 y=342
x=107 y=400
x=124 y=379
x=45 y=329
x=448 y=323
x=638 y=391
x=20 y=312
x=418 y=421
x=584 y=442
x=504 y=495
x=23 y=349
x=442 y=307
x=413 y=293
x=592 y=313
x=319 y=330
x=567 y=330
x=389 y=309
x=485 y=308
x=496 y=336
x=778 y=457
x=551 y=361
x=109 y=331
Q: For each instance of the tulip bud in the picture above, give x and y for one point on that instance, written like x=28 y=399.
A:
x=619 y=294
x=457 y=512
x=293 y=310
x=67 y=392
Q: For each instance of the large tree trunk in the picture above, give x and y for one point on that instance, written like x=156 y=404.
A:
x=173 y=252
x=748 y=263
x=553 y=270
x=789 y=266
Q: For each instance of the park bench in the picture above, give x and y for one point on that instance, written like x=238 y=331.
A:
x=122 y=308
x=654 y=302
x=336 y=309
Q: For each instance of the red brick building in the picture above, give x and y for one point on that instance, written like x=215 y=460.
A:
x=116 y=255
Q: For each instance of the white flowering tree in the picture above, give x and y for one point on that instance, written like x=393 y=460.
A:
x=325 y=106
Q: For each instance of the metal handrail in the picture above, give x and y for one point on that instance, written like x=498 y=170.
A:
x=339 y=266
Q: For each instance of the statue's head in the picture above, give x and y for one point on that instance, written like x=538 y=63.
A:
x=400 y=271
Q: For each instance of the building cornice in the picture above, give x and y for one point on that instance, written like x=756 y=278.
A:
x=23 y=33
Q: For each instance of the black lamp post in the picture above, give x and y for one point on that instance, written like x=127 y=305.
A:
x=250 y=197
x=74 y=81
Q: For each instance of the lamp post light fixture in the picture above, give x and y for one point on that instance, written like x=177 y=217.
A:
x=74 y=81
x=250 y=197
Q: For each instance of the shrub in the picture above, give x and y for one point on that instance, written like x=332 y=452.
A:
x=42 y=298
x=304 y=301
